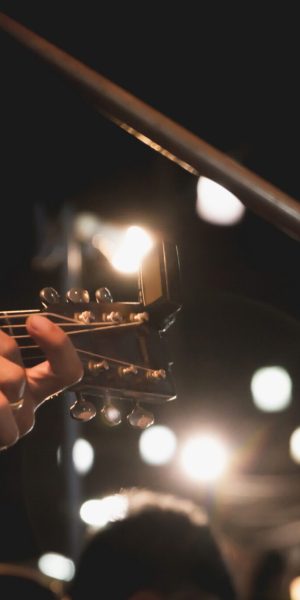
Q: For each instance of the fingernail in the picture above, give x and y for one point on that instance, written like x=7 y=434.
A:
x=39 y=324
x=22 y=389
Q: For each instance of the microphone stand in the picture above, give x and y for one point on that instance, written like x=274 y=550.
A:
x=164 y=135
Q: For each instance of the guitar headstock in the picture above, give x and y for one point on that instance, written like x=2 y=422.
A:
x=122 y=345
x=122 y=349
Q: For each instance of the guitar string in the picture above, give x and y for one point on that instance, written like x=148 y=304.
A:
x=93 y=355
x=90 y=354
x=91 y=328
x=29 y=311
x=19 y=325
x=111 y=359
x=69 y=321
x=23 y=314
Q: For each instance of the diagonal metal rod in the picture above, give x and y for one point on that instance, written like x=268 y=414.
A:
x=164 y=135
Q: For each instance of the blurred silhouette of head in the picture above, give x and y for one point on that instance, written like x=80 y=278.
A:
x=163 y=548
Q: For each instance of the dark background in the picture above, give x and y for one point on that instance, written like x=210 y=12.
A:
x=231 y=80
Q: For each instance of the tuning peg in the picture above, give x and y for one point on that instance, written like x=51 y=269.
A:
x=103 y=295
x=77 y=296
x=82 y=410
x=156 y=374
x=111 y=414
x=127 y=371
x=49 y=295
x=140 y=418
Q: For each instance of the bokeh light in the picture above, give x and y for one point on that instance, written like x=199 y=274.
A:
x=216 y=204
x=204 y=458
x=57 y=566
x=271 y=389
x=157 y=445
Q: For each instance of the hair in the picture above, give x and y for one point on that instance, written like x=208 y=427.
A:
x=164 y=544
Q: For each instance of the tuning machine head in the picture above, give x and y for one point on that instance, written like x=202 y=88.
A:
x=110 y=412
x=48 y=296
x=140 y=418
x=103 y=295
x=82 y=409
x=77 y=296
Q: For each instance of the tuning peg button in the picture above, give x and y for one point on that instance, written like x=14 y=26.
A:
x=111 y=414
x=77 y=295
x=82 y=410
x=125 y=371
x=103 y=295
x=49 y=295
x=140 y=418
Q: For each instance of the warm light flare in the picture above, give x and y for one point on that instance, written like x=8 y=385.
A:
x=125 y=251
x=132 y=249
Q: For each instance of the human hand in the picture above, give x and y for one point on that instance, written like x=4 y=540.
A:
x=23 y=390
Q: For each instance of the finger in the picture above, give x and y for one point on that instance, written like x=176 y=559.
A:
x=13 y=388
x=9 y=348
x=12 y=380
x=9 y=433
x=17 y=413
x=63 y=367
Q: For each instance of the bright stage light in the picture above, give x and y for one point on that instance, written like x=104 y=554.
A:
x=125 y=251
x=57 y=566
x=98 y=513
x=83 y=456
x=157 y=445
x=204 y=458
x=132 y=249
x=271 y=389
x=295 y=589
x=295 y=445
